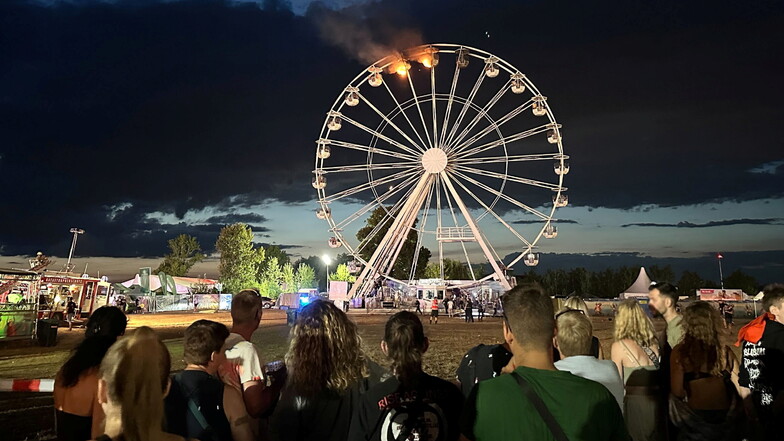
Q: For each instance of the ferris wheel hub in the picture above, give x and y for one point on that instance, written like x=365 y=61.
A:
x=434 y=160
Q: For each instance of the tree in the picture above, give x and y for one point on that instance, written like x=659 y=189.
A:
x=740 y=280
x=239 y=261
x=306 y=277
x=289 y=278
x=342 y=274
x=185 y=252
x=271 y=278
x=662 y=274
x=689 y=283
x=456 y=270
x=277 y=251
x=432 y=271
x=401 y=268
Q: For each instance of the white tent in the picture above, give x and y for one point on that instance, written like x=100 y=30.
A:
x=639 y=288
x=155 y=284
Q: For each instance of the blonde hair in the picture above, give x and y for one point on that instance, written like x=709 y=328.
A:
x=325 y=351
x=574 y=334
x=136 y=372
x=575 y=302
x=632 y=323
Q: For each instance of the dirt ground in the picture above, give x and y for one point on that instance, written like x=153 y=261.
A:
x=30 y=416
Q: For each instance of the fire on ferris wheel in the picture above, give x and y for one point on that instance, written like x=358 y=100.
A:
x=457 y=148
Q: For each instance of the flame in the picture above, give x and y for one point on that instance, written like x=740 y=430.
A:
x=401 y=68
x=427 y=61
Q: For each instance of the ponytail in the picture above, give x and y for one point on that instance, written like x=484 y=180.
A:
x=136 y=372
x=406 y=342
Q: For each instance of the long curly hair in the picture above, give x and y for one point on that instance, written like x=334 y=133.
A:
x=701 y=349
x=632 y=323
x=325 y=351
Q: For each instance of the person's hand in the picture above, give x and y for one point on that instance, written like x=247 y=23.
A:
x=510 y=367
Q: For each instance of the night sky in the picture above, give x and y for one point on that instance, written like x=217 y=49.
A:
x=139 y=120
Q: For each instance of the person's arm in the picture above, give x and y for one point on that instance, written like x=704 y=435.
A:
x=676 y=374
x=735 y=371
x=616 y=354
x=98 y=417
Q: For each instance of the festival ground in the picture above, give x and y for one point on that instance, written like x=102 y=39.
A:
x=30 y=415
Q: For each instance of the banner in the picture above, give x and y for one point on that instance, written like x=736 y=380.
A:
x=731 y=295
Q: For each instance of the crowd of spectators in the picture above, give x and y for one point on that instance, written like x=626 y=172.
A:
x=548 y=380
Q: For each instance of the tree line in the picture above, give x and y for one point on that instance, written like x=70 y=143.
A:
x=610 y=282
x=244 y=264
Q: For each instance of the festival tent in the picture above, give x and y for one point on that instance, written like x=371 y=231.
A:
x=184 y=284
x=639 y=288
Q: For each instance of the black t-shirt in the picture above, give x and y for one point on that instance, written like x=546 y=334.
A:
x=205 y=419
x=325 y=417
x=481 y=363
x=388 y=412
x=70 y=308
x=762 y=366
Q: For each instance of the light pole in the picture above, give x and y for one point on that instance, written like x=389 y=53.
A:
x=327 y=260
x=76 y=232
x=721 y=275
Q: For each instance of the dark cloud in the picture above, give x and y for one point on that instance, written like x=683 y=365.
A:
x=281 y=246
x=532 y=221
x=247 y=218
x=177 y=106
x=722 y=223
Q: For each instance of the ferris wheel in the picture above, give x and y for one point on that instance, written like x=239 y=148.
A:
x=442 y=149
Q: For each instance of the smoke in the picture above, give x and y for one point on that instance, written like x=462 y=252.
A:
x=356 y=38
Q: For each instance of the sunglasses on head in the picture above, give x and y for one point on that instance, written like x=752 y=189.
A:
x=569 y=310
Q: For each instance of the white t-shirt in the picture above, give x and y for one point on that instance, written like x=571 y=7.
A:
x=589 y=367
x=243 y=364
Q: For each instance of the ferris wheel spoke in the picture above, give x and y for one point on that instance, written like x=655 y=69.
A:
x=421 y=233
x=486 y=248
x=501 y=141
x=504 y=177
x=419 y=109
x=366 y=167
x=507 y=198
x=389 y=122
x=369 y=149
x=422 y=143
x=433 y=102
x=495 y=125
x=369 y=185
x=482 y=113
x=450 y=100
x=380 y=135
x=462 y=244
x=465 y=107
x=388 y=194
x=512 y=158
x=380 y=225
x=439 y=224
x=494 y=214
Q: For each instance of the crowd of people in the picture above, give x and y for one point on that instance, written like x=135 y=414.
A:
x=548 y=380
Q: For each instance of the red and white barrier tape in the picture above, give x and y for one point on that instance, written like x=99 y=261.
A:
x=44 y=385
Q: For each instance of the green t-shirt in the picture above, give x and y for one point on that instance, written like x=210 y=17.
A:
x=675 y=331
x=497 y=409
